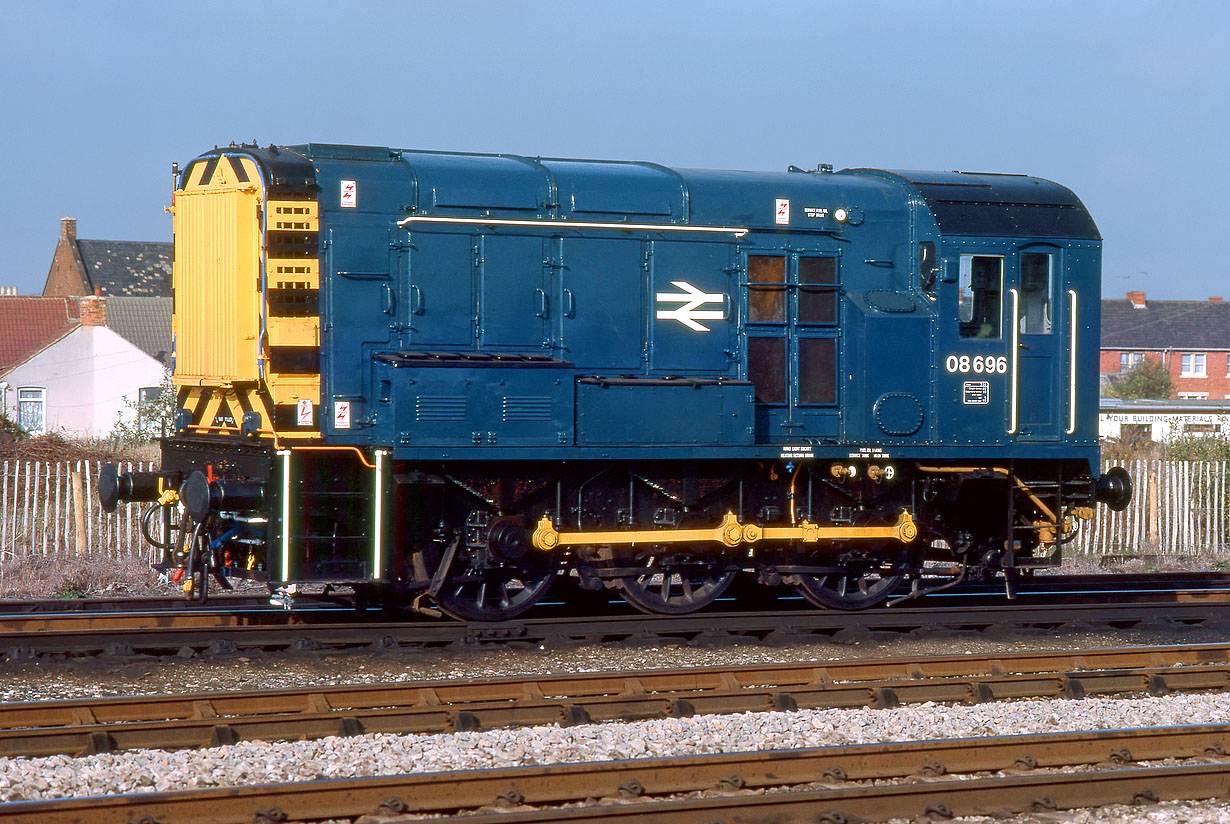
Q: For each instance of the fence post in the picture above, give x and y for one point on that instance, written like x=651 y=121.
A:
x=59 y=466
x=1155 y=527
x=4 y=512
x=89 y=521
x=25 y=509
x=78 y=510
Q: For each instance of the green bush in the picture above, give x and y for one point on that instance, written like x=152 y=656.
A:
x=1148 y=379
x=10 y=430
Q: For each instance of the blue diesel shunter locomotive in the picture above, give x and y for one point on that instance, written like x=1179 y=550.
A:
x=447 y=379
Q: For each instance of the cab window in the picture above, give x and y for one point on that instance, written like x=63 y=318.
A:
x=980 y=289
x=1035 y=306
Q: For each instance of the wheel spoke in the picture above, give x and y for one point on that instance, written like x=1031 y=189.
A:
x=672 y=585
x=494 y=594
x=855 y=589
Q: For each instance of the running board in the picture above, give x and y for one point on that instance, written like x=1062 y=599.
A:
x=730 y=533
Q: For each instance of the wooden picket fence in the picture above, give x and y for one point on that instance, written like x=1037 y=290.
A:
x=1178 y=507
x=52 y=509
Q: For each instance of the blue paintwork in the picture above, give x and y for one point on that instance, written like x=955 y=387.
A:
x=589 y=298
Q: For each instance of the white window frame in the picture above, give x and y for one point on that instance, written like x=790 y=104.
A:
x=1130 y=360
x=36 y=395
x=1191 y=365
x=1193 y=396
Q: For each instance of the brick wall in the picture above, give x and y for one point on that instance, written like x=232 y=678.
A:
x=94 y=309
x=67 y=275
x=1214 y=384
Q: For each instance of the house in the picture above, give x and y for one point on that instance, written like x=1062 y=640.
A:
x=63 y=368
x=112 y=268
x=1191 y=337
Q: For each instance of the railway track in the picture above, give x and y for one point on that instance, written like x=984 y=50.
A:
x=828 y=784
x=95 y=725
x=246 y=624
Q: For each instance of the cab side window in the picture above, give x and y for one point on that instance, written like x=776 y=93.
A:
x=980 y=289
x=1035 y=308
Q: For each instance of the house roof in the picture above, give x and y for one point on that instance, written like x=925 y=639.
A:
x=143 y=322
x=131 y=268
x=1165 y=324
x=29 y=324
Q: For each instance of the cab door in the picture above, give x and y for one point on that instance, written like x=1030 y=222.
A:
x=1039 y=386
x=1004 y=371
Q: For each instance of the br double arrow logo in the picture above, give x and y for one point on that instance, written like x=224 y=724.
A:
x=690 y=312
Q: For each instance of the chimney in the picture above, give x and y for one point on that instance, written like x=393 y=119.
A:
x=68 y=228
x=94 y=309
x=1215 y=300
x=1137 y=299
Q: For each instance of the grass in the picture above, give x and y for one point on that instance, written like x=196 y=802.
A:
x=60 y=576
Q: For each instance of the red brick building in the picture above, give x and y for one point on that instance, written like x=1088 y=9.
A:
x=1192 y=337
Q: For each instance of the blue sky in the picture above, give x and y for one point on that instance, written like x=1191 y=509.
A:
x=1127 y=103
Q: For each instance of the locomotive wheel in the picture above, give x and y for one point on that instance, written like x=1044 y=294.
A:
x=494 y=593
x=673 y=586
x=850 y=589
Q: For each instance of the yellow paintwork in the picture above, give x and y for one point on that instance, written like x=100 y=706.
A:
x=292 y=388
x=220 y=355
x=292 y=215
x=729 y=533
x=216 y=277
x=293 y=331
x=292 y=273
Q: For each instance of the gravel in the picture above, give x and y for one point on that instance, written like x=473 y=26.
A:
x=382 y=754
x=50 y=678
x=262 y=762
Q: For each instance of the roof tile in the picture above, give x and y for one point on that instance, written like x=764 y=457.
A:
x=1166 y=324
x=130 y=268
x=28 y=324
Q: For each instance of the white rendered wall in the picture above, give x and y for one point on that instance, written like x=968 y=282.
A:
x=88 y=374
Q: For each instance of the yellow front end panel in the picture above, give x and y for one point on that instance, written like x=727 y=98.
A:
x=217 y=280
x=294 y=331
x=223 y=368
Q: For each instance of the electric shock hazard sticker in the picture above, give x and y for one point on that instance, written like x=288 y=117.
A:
x=350 y=194
x=977 y=393
x=303 y=411
x=782 y=211
x=341 y=414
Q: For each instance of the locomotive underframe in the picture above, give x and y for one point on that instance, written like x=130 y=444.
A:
x=667 y=535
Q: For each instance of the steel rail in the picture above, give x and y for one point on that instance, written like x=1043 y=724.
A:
x=739 y=786
x=81 y=726
x=1181 y=584
x=24 y=638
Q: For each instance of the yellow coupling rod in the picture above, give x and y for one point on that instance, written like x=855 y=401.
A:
x=729 y=532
